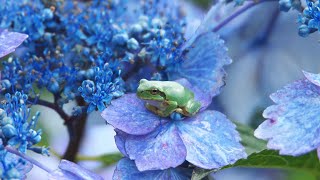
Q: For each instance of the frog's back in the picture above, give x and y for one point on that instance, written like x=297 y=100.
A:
x=177 y=92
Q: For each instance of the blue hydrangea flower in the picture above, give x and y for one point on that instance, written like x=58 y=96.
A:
x=292 y=124
x=127 y=170
x=17 y=126
x=309 y=20
x=105 y=86
x=17 y=131
x=71 y=171
x=208 y=139
x=9 y=41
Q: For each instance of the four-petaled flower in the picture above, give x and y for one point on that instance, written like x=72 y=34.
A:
x=208 y=139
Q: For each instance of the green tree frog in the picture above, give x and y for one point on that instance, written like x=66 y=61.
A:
x=166 y=97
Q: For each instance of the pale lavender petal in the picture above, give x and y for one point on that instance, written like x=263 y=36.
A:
x=318 y=152
x=203 y=63
x=129 y=114
x=9 y=41
x=313 y=78
x=211 y=140
x=69 y=170
x=293 y=125
x=127 y=170
x=161 y=149
x=204 y=98
x=300 y=89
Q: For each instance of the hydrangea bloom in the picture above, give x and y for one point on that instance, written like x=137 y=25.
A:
x=292 y=125
x=208 y=139
x=9 y=41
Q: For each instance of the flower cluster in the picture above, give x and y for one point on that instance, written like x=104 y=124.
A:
x=292 y=125
x=286 y=5
x=310 y=19
x=18 y=131
x=99 y=93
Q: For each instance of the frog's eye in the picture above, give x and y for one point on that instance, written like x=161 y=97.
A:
x=154 y=91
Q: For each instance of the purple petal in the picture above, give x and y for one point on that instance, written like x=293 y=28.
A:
x=202 y=97
x=120 y=139
x=127 y=170
x=293 y=124
x=9 y=41
x=211 y=140
x=203 y=64
x=129 y=114
x=313 y=78
x=70 y=170
x=161 y=149
x=318 y=152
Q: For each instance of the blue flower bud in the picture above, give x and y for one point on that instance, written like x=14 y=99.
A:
x=47 y=14
x=136 y=29
x=6 y=120
x=133 y=44
x=9 y=131
x=5 y=84
x=157 y=23
x=53 y=87
x=285 y=5
x=304 y=30
x=120 y=39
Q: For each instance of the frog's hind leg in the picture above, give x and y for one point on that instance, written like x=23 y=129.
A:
x=192 y=108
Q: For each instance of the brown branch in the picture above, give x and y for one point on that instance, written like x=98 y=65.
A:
x=53 y=106
x=76 y=129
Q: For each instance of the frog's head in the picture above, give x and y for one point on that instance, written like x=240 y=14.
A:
x=150 y=90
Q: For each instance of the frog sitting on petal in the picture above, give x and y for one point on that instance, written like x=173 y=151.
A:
x=166 y=97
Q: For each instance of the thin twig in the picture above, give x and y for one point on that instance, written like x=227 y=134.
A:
x=239 y=12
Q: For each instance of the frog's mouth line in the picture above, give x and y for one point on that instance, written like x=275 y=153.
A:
x=162 y=94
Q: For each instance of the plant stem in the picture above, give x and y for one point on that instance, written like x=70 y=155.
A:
x=239 y=12
x=31 y=160
x=53 y=106
x=76 y=127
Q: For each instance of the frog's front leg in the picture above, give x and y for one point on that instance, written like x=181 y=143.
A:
x=152 y=108
x=167 y=107
x=192 y=108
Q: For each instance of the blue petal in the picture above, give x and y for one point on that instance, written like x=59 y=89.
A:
x=211 y=140
x=293 y=123
x=201 y=96
x=313 y=78
x=127 y=170
x=9 y=41
x=161 y=149
x=120 y=139
x=203 y=63
x=129 y=114
x=72 y=171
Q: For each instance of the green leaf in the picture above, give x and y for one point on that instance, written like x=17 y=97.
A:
x=248 y=140
x=271 y=159
x=105 y=159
